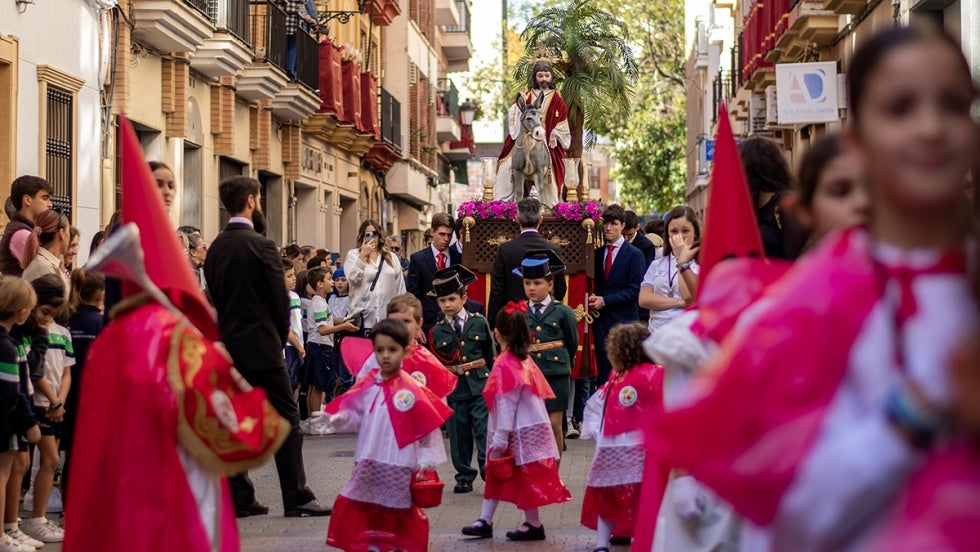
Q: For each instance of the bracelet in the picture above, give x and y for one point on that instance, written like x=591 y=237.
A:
x=56 y=406
x=681 y=267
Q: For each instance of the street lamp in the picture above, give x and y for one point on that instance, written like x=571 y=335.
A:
x=467 y=112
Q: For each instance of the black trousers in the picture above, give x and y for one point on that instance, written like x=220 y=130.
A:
x=289 y=459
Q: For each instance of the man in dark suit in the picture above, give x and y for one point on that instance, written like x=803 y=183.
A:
x=619 y=271
x=247 y=285
x=505 y=286
x=422 y=267
x=636 y=238
x=639 y=240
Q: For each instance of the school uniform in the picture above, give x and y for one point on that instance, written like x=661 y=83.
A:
x=18 y=416
x=554 y=332
x=59 y=356
x=320 y=356
x=471 y=350
x=294 y=363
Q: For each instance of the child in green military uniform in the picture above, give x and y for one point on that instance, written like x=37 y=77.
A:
x=463 y=342
x=554 y=331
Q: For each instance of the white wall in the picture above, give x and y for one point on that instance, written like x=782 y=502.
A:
x=63 y=34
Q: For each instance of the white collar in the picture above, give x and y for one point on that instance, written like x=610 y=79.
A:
x=435 y=253
x=544 y=304
x=618 y=243
x=461 y=314
x=242 y=220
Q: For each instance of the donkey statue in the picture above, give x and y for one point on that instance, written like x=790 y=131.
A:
x=531 y=160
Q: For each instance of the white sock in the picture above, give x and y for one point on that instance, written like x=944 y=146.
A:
x=489 y=508
x=9 y=527
x=604 y=530
x=533 y=516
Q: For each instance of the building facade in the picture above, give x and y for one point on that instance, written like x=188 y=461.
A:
x=207 y=87
x=736 y=46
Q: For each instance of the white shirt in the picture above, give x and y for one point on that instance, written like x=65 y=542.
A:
x=436 y=252
x=462 y=315
x=664 y=279
x=295 y=317
x=59 y=356
x=617 y=245
x=544 y=304
x=360 y=275
x=317 y=315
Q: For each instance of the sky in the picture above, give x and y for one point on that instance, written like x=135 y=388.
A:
x=486 y=17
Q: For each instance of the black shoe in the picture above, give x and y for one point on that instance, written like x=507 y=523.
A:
x=480 y=528
x=310 y=509
x=620 y=540
x=254 y=509
x=527 y=532
x=463 y=487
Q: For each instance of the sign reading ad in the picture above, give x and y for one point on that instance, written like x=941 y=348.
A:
x=806 y=92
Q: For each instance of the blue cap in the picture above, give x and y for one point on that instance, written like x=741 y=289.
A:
x=339 y=273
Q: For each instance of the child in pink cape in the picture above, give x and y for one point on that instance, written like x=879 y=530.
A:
x=615 y=416
x=519 y=426
x=397 y=421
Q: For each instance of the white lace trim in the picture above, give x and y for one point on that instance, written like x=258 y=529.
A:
x=530 y=443
x=380 y=483
x=614 y=466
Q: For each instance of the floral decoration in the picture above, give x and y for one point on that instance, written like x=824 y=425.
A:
x=578 y=211
x=495 y=209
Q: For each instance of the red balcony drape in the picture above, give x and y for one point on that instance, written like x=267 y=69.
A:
x=369 y=106
x=331 y=83
x=352 y=93
x=761 y=29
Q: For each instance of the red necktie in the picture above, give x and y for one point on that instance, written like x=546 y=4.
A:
x=441 y=261
x=609 y=258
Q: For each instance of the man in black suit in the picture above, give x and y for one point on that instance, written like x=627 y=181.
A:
x=247 y=285
x=639 y=240
x=505 y=286
x=636 y=238
x=619 y=270
x=423 y=265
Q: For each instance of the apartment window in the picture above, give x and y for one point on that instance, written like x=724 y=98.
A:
x=59 y=93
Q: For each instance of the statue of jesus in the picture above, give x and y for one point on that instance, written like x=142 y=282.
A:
x=559 y=137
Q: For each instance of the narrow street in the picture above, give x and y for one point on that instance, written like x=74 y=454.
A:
x=328 y=465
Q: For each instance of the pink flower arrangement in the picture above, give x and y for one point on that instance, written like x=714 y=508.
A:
x=578 y=211
x=495 y=209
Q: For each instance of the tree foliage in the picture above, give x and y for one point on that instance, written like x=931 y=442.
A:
x=593 y=62
x=650 y=145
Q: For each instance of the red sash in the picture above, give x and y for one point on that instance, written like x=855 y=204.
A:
x=414 y=410
x=509 y=373
x=422 y=365
x=632 y=398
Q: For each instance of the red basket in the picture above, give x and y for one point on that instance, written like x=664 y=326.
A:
x=501 y=468
x=427 y=493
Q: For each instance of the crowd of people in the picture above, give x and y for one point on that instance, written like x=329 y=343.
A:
x=821 y=399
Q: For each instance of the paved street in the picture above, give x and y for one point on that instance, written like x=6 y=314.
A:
x=328 y=465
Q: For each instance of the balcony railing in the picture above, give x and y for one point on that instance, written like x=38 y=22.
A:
x=203 y=6
x=764 y=24
x=447 y=99
x=720 y=90
x=269 y=32
x=464 y=19
x=391 y=119
x=307 y=60
x=237 y=20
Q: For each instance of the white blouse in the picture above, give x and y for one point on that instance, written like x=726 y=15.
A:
x=360 y=275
